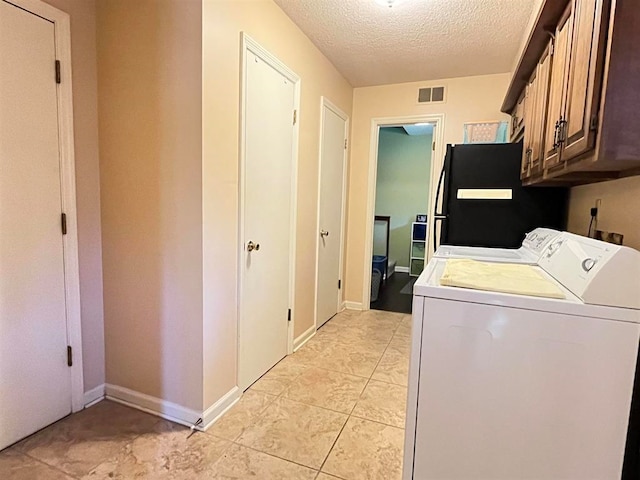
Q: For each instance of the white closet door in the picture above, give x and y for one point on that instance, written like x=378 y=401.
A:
x=267 y=168
x=35 y=382
x=332 y=165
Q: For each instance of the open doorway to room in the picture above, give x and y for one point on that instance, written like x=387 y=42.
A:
x=402 y=199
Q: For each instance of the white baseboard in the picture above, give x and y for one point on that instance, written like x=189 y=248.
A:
x=215 y=411
x=153 y=405
x=304 y=338
x=353 y=305
x=402 y=269
x=93 y=396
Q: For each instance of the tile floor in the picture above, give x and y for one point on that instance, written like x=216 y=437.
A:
x=334 y=409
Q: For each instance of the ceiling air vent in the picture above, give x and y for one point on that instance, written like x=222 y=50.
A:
x=431 y=94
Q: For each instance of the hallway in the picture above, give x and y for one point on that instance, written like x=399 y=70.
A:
x=336 y=406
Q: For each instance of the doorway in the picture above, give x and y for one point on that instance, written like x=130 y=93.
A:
x=270 y=96
x=40 y=339
x=334 y=125
x=405 y=153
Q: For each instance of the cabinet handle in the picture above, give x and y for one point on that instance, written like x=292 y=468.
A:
x=555 y=135
x=562 y=131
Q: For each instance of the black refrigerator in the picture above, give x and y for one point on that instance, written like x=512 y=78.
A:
x=483 y=202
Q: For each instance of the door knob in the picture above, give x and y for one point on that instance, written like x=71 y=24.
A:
x=252 y=246
x=324 y=233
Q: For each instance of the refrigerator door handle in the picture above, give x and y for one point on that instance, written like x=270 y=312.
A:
x=437 y=216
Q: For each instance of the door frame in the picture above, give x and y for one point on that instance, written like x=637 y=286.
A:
x=326 y=103
x=62 y=42
x=248 y=44
x=437 y=160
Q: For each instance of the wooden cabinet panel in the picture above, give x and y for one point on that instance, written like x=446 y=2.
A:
x=517 y=119
x=540 y=113
x=530 y=101
x=555 y=112
x=584 y=78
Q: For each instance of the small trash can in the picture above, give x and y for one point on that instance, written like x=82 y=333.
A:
x=380 y=264
x=376 y=279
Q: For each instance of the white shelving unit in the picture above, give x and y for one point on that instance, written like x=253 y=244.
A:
x=418 y=248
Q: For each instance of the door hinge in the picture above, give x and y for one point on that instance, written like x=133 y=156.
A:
x=345 y=143
x=289 y=315
x=69 y=356
x=594 y=122
x=339 y=284
x=433 y=146
x=295 y=117
x=63 y=223
x=58 y=77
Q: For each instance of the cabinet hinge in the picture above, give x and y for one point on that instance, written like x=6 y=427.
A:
x=594 y=122
x=63 y=223
x=339 y=284
x=58 y=77
x=295 y=117
x=345 y=143
x=289 y=315
x=69 y=356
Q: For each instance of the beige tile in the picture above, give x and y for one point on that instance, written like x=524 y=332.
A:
x=322 y=388
x=276 y=380
x=401 y=343
x=324 y=476
x=240 y=463
x=384 y=403
x=241 y=415
x=371 y=337
x=355 y=360
x=393 y=368
x=17 y=466
x=81 y=441
x=300 y=433
x=310 y=351
x=404 y=328
x=367 y=450
x=168 y=452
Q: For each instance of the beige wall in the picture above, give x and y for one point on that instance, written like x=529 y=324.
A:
x=619 y=211
x=402 y=185
x=468 y=99
x=85 y=119
x=150 y=110
x=269 y=26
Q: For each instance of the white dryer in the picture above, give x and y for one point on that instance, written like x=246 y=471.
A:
x=505 y=386
x=533 y=245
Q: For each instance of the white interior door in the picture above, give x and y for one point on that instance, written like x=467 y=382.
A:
x=266 y=218
x=35 y=381
x=332 y=169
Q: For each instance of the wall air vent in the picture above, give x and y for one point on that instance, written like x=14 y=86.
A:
x=431 y=95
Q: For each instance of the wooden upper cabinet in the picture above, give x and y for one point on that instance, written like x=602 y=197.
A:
x=584 y=83
x=582 y=100
x=557 y=89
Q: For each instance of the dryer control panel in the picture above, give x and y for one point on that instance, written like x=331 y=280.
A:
x=599 y=273
x=537 y=240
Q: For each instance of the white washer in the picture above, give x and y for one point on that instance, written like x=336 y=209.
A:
x=511 y=386
x=533 y=245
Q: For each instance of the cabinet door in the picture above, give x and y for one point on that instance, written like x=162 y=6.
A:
x=529 y=125
x=585 y=77
x=539 y=114
x=557 y=88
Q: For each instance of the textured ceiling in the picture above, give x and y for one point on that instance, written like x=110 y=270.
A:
x=414 y=40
